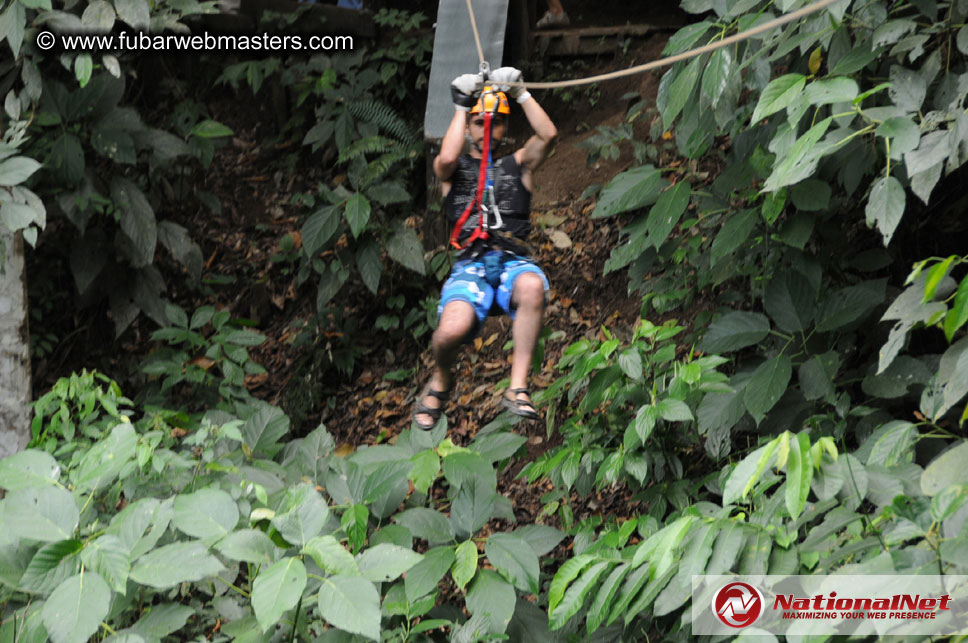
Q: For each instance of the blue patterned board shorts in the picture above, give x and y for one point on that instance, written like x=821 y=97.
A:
x=468 y=282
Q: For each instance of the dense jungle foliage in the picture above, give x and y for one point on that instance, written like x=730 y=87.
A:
x=808 y=419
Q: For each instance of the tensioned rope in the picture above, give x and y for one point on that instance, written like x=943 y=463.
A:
x=662 y=62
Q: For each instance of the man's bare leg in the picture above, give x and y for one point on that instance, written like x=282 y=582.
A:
x=528 y=299
x=456 y=323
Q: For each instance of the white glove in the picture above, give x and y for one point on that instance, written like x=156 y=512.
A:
x=465 y=89
x=504 y=75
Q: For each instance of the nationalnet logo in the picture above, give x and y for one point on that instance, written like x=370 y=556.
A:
x=848 y=604
x=738 y=604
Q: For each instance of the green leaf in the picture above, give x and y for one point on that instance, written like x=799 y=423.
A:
x=891 y=443
x=811 y=195
x=543 y=539
x=681 y=90
x=831 y=90
x=331 y=556
x=847 y=305
x=425 y=523
x=137 y=219
x=319 y=229
x=211 y=129
x=732 y=235
x=715 y=78
x=495 y=447
x=473 y=506
x=747 y=473
x=161 y=621
x=302 y=514
x=385 y=562
x=405 y=248
x=564 y=576
x=465 y=563
x=816 y=375
x=352 y=604
x=357 y=213
x=629 y=590
x=12 y=22
x=30 y=468
x=630 y=190
x=98 y=15
x=954 y=320
x=17 y=169
x=946 y=470
x=353 y=522
x=598 y=611
x=74 y=611
x=515 y=559
x=50 y=566
x=667 y=211
x=799 y=474
x=673 y=410
x=779 y=94
x=248 y=545
x=108 y=556
x=106 y=459
x=903 y=133
x=767 y=385
x=133 y=12
x=423 y=577
x=276 y=590
x=174 y=564
x=369 y=264
x=630 y=362
x=426 y=466
x=205 y=514
x=885 y=206
x=733 y=331
x=574 y=598
x=491 y=595
x=46 y=514
x=790 y=301
x=800 y=161
x=908 y=88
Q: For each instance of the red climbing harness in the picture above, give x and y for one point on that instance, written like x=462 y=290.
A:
x=477 y=202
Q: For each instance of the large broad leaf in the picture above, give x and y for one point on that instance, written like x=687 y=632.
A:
x=574 y=598
x=831 y=90
x=319 y=229
x=207 y=513
x=885 y=206
x=133 y=12
x=733 y=331
x=946 y=470
x=425 y=523
x=357 y=213
x=800 y=161
x=385 y=562
x=767 y=384
x=716 y=76
x=892 y=444
x=630 y=190
x=405 y=248
x=778 y=94
x=30 y=468
x=789 y=301
x=600 y=607
x=733 y=234
x=543 y=539
x=423 y=577
x=276 y=590
x=903 y=134
x=302 y=514
x=492 y=596
x=108 y=556
x=74 y=611
x=667 y=211
x=331 y=556
x=369 y=264
x=352 y=604
x=465 y=563
x=472 y=507
x=174 y=564
x=137 y=219
x=850 y=304
x=16 y=170
x=816 y=375
x=248 y=545
x=46 y=514
x=908 y=88
x=161 y=621
x=50 y=566
x=681 y=90
x=514 y=558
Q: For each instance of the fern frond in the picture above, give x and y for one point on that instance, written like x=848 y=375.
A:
x=364 y=146
x=383 y=116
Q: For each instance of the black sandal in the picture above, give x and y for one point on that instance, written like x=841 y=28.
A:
x=422 y=409
x=519 y=407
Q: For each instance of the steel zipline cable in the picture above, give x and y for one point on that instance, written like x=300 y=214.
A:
x=662 y=62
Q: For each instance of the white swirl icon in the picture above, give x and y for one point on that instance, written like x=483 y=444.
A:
x=46 y=40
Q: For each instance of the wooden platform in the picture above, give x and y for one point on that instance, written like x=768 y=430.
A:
x=589 y=41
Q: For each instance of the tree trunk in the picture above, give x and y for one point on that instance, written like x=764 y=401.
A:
x=14 y=347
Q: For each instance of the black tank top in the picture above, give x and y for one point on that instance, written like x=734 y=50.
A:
x=513 y=199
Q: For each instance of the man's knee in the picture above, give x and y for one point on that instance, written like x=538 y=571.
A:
x=528 y=290
x=456 y=322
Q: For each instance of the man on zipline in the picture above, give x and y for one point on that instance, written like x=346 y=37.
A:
x=493 y=270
